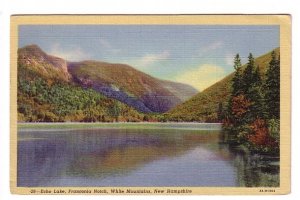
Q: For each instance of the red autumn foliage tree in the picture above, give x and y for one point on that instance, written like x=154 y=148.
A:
x=261 y=136
x=240 y=105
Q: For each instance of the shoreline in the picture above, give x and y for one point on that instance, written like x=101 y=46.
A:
x=118 y=125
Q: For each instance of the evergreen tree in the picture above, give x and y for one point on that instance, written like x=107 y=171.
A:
x=272 y=94
x=235 y=110
x=257 y=80
x=256 y=96
x=237 y=90
x=237 y=80
x=248 y=86
x=248 y=75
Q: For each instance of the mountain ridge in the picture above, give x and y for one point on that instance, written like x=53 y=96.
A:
x=118 y=81
x=49 y=66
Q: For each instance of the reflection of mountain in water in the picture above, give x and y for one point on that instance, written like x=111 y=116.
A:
x=100 y=153
x=121 y=157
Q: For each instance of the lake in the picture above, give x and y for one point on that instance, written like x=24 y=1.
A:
x=137 y=155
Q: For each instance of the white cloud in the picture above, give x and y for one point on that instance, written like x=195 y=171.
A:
x=150 y=59
x=202 y=77
x=108 y=47
x=211 y=47
x=73 y=54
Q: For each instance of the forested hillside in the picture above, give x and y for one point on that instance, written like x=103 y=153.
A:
x=126 y=84
x=205 y=106
x=47 y=100
x=52 y=89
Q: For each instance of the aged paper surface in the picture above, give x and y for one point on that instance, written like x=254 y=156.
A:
x=150 y=104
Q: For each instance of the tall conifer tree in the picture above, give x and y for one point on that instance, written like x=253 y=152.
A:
x=237 y=80
x=248 y=74
x=256 y=96
x=272 y=94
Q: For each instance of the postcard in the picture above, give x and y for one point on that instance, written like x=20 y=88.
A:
x=150 y=104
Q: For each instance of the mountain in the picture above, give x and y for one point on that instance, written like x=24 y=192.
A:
x=46 y=65
x=128 y=85
x=46 y=93
x=180 y=90
x=204 y=106
x=121 y=82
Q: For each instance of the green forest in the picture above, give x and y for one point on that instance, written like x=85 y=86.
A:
x=251 y=117
x=53 y=100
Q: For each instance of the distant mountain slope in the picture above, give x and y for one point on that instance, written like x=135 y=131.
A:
x=126 y=84
x=118 y=81
x=180 y=90
x=203 y=106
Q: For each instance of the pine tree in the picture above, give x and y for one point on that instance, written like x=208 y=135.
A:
x=247 y=88
x=272 y=94
x=237 y=80
x=256 y=96
x=257 y=80
x=233 y=114
x=248 y=74
x=237 y=90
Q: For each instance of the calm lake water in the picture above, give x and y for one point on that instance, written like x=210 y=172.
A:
x=187 y=155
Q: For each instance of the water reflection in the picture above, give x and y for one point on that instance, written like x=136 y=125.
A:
x=122 y=157
x=256 y=170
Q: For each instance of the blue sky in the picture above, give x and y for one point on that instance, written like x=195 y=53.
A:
x=198 y=55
